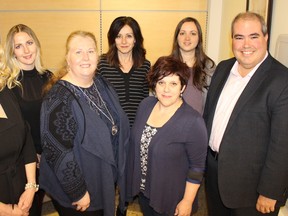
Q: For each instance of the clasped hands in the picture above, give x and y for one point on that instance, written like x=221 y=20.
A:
x=84 y=203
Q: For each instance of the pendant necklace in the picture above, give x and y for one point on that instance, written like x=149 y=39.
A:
x=114 y=128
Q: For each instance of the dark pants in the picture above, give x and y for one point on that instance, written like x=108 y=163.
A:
x=146 y=209
x=36 y=207
x=214 y=202
x=63 y=211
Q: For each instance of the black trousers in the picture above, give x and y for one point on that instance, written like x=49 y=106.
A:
x=36 y=208
x=63 y=211
x=146 y=209
x=214 y=202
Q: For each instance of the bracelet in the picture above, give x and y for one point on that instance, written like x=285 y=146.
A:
x=32 y=185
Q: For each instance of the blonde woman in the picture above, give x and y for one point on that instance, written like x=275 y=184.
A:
x=84 y=135
x=17 y=155
x=23 y=54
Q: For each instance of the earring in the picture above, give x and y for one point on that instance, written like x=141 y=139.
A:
x=181 y=95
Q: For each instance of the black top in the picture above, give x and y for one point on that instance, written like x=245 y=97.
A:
x=30 y=100
x=131 y=87
x=16 y=149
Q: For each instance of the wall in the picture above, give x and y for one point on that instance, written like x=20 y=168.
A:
x=279 y=22
x=221 y=14
x=54 y=20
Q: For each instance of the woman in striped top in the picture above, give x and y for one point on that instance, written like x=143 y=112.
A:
x=125 y=65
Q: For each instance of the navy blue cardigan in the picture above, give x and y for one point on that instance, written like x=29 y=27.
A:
x=77 y=149
x=176 y=151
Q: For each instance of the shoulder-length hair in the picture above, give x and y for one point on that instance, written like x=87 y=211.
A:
x=12 y=62
x=202 y=61
x=138 y=52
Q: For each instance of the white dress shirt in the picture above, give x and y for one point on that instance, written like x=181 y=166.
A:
x=230 y=94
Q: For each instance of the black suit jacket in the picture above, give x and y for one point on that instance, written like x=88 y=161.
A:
x=253 y=155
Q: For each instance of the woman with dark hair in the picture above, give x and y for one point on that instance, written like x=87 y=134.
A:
x=188 y=47
x=166 y=161
x=125 y=65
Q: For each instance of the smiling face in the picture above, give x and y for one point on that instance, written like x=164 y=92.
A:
x=168 y=90
x=82 y=58
x=25 y=50
x=188 y=37
x=125 y=40
x=249 y=45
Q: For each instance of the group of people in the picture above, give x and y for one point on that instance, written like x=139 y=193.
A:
x=113 y=123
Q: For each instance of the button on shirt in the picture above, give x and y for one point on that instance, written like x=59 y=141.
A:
x=230 y=94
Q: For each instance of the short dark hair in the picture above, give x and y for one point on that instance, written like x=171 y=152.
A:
x=165 y=66
x=248 y=15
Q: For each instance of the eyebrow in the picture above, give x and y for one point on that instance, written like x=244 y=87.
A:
x=240 y=35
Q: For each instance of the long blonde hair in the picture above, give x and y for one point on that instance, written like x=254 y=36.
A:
x=11 y=61
x=4 y=72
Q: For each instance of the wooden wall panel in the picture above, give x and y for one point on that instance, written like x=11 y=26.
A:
x=154 y=5
x=157 y=29
x=54 y=20
x=52 y=29
x=34 y=5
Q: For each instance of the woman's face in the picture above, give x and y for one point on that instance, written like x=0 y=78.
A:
x=168 y=90
x=25 y=50
x=125 y=40
x=188 y=37
x=82 y=58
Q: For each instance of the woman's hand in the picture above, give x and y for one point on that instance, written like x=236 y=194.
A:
x=26 y=199
x=7 y=210
x=184 y=208
x=38 y=161
x=83 y=203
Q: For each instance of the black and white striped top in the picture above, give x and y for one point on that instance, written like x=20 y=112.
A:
x=131 y=87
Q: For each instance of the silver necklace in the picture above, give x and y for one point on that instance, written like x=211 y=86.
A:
x=114 y=128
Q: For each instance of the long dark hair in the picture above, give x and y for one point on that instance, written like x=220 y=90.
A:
x=138 y=52
x=201 y=59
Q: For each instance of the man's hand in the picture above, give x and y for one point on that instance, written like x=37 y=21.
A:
x=265 y=204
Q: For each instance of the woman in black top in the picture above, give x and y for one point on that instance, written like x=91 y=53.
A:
x=125 y=65
x=17 y=155
x=23 y=54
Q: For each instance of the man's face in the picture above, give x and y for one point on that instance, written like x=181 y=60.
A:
x=249 y=45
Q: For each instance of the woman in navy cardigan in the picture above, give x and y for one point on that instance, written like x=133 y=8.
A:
x=166 y=161
x=84 y=134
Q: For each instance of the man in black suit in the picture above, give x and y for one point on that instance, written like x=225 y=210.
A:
x=246 y=114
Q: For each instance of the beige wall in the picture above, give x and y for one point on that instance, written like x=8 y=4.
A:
x=279 y=22
x=223 y=12
x=54 y=20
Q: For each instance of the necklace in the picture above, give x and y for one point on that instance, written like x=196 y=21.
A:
x=114 y=128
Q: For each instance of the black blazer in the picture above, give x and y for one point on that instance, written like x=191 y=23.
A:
x=253 y=155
